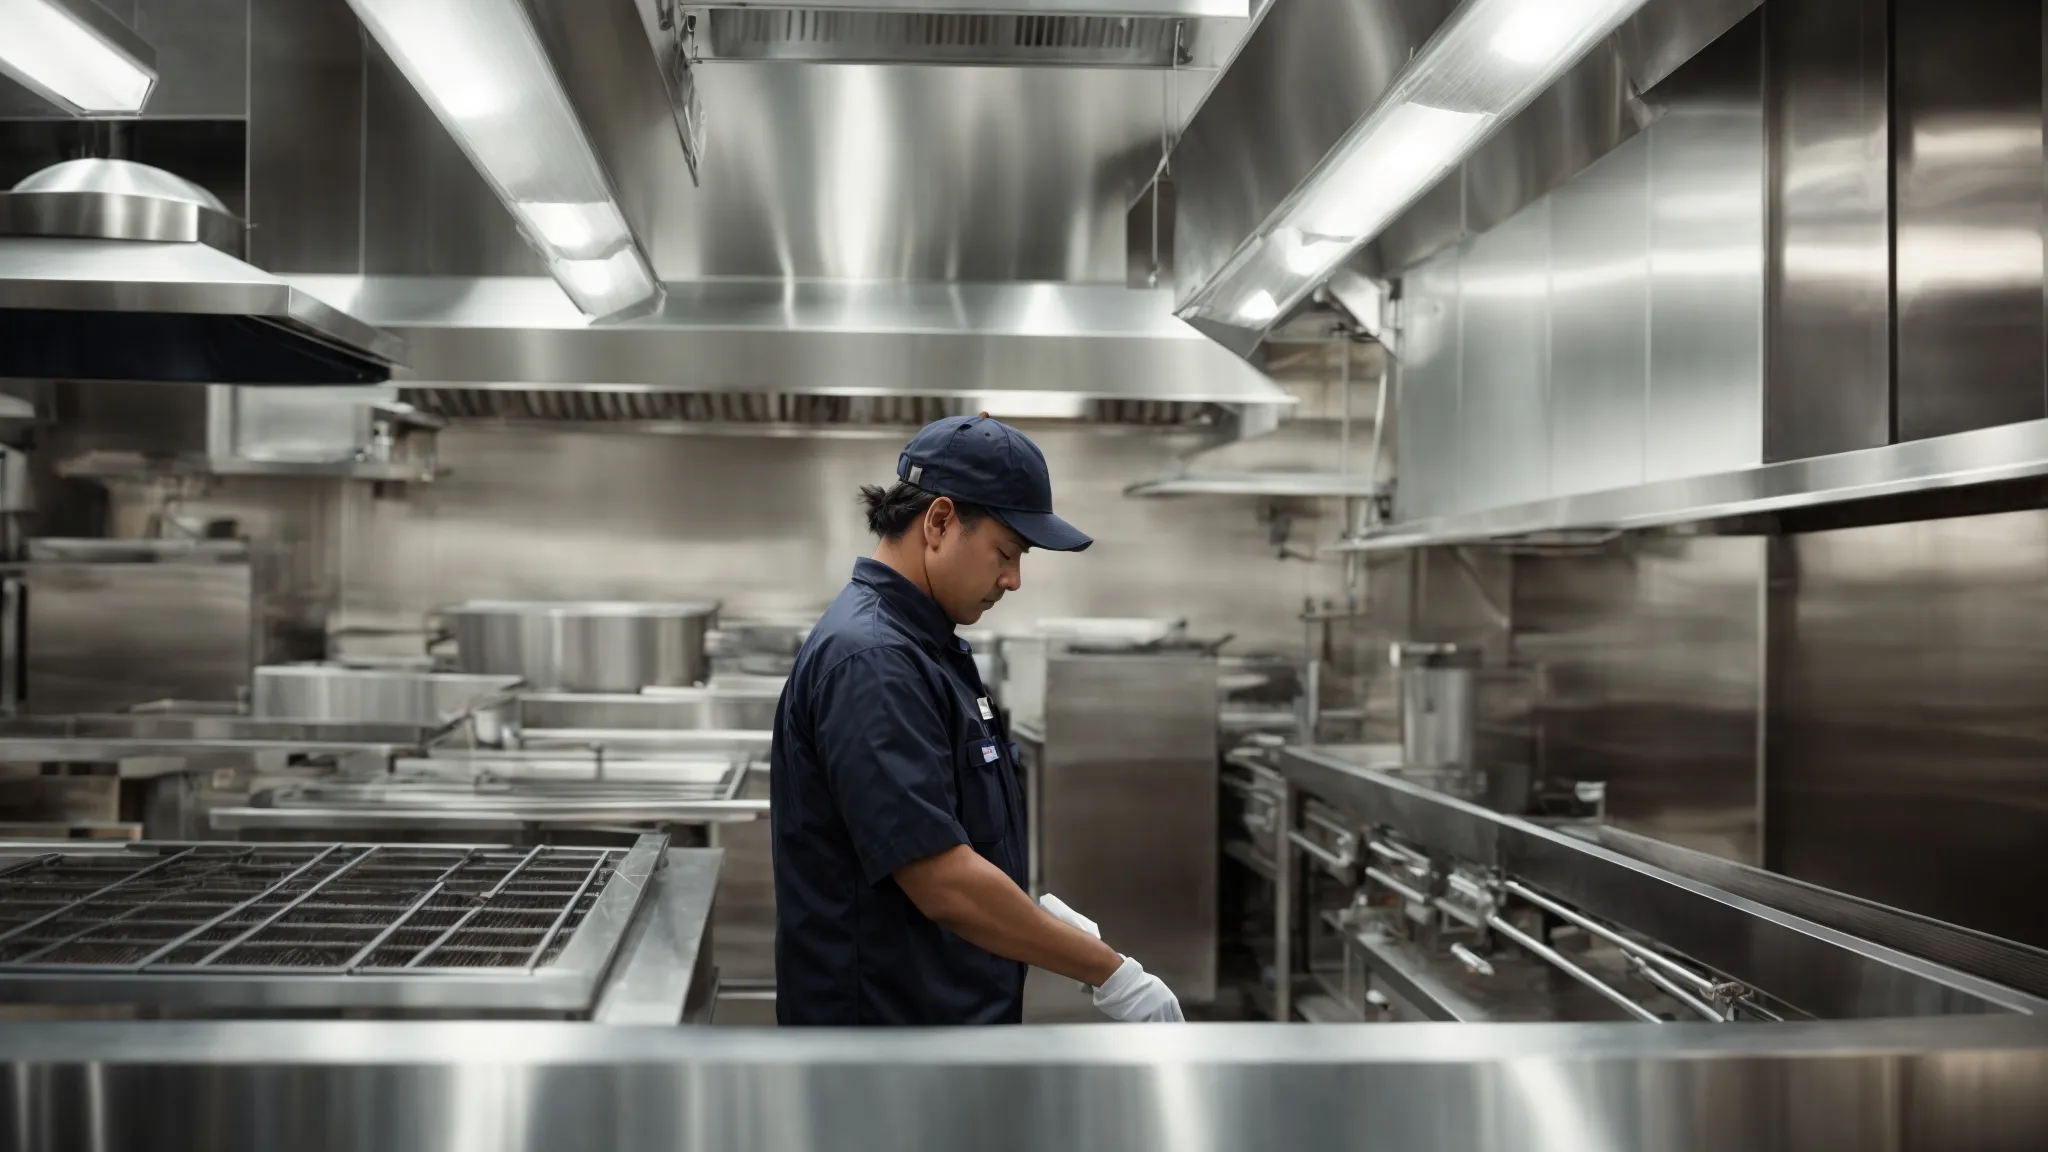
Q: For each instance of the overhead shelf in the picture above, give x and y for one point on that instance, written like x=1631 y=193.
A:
x=1301 y=484
x=1986 y=456
x=102 y=465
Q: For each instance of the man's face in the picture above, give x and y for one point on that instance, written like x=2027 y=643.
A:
x=970 y=566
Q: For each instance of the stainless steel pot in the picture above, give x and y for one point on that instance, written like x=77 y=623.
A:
x=583 y=646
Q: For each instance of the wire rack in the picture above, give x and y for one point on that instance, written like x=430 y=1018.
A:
x=313 y=909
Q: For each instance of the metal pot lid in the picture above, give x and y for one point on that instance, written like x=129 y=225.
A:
x=118 y=200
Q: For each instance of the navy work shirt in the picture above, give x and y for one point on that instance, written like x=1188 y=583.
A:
x=886 y=753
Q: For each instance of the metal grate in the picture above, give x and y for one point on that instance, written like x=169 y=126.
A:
x=942 y=38
x=759 y=409
x=313 y=909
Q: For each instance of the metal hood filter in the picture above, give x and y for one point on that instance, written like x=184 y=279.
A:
x=112 y=270
x=1038 y=349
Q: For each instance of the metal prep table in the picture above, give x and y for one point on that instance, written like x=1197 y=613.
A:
x=158 y=930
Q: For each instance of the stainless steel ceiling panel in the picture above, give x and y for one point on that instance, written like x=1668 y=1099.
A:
x=943 y=38
x=820 y=338
x=1309 y=71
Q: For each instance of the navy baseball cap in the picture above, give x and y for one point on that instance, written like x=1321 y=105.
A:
x=981 y=461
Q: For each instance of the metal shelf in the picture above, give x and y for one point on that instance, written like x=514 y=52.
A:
x=129 y=466
x=1300 y=484
x=1985 y=456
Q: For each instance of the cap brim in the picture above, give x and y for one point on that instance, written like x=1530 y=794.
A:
x=1044 y=530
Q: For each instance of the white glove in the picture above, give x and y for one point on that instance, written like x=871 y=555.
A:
x=1135 y=995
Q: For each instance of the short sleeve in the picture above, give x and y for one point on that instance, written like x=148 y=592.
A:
x=888 y=761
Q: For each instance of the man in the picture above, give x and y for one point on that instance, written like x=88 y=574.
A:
x=898 y=813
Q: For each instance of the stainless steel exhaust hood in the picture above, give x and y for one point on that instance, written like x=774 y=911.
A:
x=1076 y=342
x=112 y=270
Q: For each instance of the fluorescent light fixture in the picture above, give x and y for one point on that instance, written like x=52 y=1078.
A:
x=605 y=287
x=1018 y=405
x=1487 y=62
x=481 y=67
x=76 y=54
x=1259 y=307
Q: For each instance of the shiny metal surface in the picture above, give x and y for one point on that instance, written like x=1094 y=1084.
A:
x=1439 y=704
x=90 y=738
x=1308 y=71
x=664 y=972
x=118 y=200
x=428 y=699
x=212 y=929
x=866 y=35
x=928 y=339
x=1599 y=323
x=1924 y=727
x=1706 y=264
x=1504 y=362
x=1122 y=790
x=306 y=77
x=1957 y=1086
x=702 y=793
x=99 y=638
x=1282 y=484
x=589 y=646
x=1610 y=331
x=113 y=278
x=1653 y=670
x=74 y=84
x=1967 y=101
x=1985 y=456
x=558 y=716
x=1826 y=973
x=1827 y=104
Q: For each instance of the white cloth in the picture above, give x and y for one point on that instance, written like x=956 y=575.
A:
x=1135 y=995
x=1068 y=916
x=1132 y=994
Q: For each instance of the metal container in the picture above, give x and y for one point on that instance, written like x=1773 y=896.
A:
x=429 y=699
x=583 y=646
x=1439 y=704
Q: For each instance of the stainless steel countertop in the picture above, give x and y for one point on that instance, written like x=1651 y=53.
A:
x=1900 y=1086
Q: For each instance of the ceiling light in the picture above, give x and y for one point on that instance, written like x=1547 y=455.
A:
x=482 y=69
x=77 y=54
x=609 y=287
x=1483 y=66
x=1259 y=307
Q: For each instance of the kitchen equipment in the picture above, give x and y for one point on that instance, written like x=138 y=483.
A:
x=324 y=692
x=293 y=929
x=583 y=646
x=1439 y=706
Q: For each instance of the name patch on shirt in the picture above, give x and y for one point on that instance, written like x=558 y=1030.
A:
x=988 y=753
x=987 y=713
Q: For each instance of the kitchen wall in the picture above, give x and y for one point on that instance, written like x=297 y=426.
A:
x=771 y=524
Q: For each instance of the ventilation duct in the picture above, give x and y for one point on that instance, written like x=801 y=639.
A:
x=758 y=411
x=945 y=38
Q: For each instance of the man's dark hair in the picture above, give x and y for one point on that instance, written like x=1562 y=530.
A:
x=892 y=510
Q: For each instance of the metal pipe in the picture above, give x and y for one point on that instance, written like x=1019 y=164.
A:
x=1702 y=1008
x=1283 y=909
x=1327 y=824
x=1406 y=858
x=1467 y=888
x=1323 y=856
x=1399 y=888
x=1472 y=960
x=1701 y=984
x=1559 y=961
x=1463 y=916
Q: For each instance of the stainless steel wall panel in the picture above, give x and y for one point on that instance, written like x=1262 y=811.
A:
x=1600 y=323
x=771 y=525
x=1504 y=387
x=1829 y=382
x=1262 y=128
x=1124 y=816
x=1428 y=379
x=1706 y=282
x=202 y=56
x=1907 y=762
x=1967 y=95
x=1651 y=654
x=306 y=153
